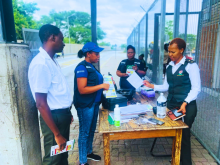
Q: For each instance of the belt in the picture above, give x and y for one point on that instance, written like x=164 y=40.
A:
x=66 y=110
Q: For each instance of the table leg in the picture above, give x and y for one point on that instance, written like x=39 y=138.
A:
x=106 y=147
x=176 y=150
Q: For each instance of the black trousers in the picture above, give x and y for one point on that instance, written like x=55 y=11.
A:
x=62 y=121
x=191 y=111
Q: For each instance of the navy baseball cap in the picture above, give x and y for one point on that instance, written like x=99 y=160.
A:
x=91 y=46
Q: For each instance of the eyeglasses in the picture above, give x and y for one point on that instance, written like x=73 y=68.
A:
x=130 y=52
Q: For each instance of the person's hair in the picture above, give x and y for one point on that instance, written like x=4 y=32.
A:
x=142 y=55
x=166 y=45
x=131 y=47
x=46 y=31
x=82 y=54
x=180 y=43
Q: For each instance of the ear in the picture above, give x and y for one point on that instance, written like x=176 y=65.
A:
x=88 y=54
x=182 y=50
x=52 y=38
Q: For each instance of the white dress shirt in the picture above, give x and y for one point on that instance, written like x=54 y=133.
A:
x=194 y=75
x=45 y=76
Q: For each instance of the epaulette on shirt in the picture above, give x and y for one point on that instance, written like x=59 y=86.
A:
x=190 y=61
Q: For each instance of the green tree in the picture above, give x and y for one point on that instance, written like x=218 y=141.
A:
x=79 y=25
x=23 y=16
x=104 y=44
x=123 y=47
x=169 y=29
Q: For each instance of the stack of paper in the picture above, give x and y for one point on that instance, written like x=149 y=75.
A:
x=135 y=109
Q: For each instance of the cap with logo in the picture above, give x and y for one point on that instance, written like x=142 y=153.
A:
x=91 y=46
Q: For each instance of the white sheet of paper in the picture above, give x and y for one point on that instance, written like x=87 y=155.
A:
x=135 y=80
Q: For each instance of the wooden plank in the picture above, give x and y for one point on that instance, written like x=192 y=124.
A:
x=135 y=126
x=103 y=121
x=177 y=147
x=106 y=148
x=142 y=134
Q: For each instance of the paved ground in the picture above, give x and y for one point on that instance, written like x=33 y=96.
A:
x=126 y=152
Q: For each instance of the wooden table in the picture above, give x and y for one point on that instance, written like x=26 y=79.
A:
x=131 y=130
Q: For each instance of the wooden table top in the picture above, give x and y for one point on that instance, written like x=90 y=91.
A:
x=105 y=127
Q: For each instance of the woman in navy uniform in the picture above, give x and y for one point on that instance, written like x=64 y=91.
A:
x=88 y=87
x=183 y=83
x=130 y=64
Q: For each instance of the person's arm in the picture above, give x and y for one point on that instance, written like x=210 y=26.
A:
x=140 y=70
x=42 y=106
x=119 y=74
x=161 y=88
x=194 y=76
x=84 y=89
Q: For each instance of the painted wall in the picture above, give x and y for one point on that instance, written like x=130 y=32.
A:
x=20 y=138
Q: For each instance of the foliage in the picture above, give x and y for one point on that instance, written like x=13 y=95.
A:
x=191 y=38
x=123 y=47
x=169 y=29
x=191 y=41
x=104 y=44
x=79 y=25
x=23 y=16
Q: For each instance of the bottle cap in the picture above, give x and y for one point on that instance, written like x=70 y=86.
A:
x=116 y=106
x=161 y=94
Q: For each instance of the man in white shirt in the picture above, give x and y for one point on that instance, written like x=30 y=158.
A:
x=51 y=93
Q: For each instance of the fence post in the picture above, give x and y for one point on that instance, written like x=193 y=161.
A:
x=162 y=40
x=176 y=18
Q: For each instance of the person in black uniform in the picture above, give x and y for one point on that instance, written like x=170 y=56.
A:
x=127 y=66
x=182 y=80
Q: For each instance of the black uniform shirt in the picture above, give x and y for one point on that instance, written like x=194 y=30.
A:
x=128 y=64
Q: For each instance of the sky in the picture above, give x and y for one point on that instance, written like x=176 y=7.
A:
x=117 y=17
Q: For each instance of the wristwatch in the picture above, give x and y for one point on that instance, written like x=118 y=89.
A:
x=186 y=102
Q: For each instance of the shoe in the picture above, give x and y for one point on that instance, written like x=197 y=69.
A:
x=93 y=157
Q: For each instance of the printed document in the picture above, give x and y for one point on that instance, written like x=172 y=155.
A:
x=135 y=80
x=110 y=93
x=69 y=147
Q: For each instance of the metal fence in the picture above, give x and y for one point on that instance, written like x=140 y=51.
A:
x=197 y=22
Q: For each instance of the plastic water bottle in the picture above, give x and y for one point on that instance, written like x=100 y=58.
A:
x=117 y=116
x=161 y=106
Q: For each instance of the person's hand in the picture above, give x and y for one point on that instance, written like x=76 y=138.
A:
x=105 y=86
x=61 y=141
x=124 y=75
x=183 y=108
x=148 y=84
x=135 y=67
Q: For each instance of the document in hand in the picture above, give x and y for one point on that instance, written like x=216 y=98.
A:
x=135 y=80
x=69 y=147
x=110 y=93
